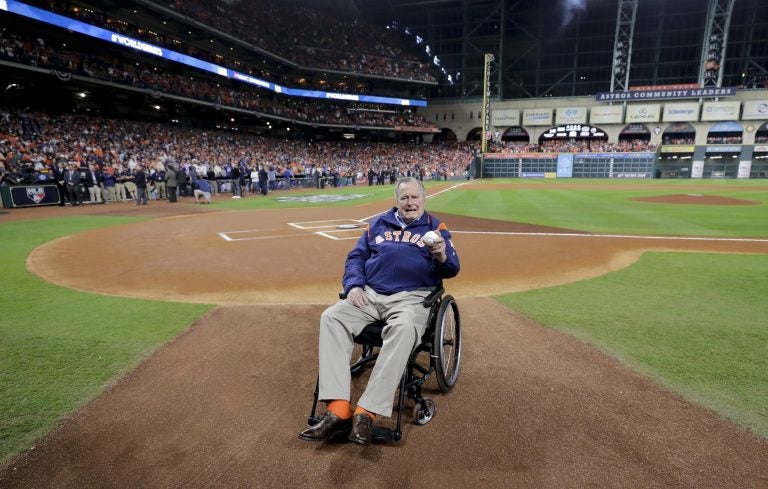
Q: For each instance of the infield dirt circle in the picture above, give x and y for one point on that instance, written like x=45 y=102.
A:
x=222 y=404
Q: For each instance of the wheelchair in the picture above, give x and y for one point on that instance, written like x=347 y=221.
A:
x=438 y=355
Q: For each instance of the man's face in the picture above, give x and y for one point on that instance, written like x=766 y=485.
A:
x=410 y=202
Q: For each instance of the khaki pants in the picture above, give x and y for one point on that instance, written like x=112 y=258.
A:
x=406 y=320
x=130 y=187
x=112 y=194
x=161 y=193
x=120 y=191
x=94 y=193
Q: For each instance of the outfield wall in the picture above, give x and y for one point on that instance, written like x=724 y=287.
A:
x=567 y=165
x=670 y=161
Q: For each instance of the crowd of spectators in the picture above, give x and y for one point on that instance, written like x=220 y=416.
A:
x=32 y=144
x=573 y=146
x=752 y=79
x=673 y=140
x=303 y=35
x=312 y=37
x=712 y=139
x=158 y=80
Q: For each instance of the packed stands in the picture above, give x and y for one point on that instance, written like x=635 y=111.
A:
x=103 y=65
x=31 y=143
x=301 y=35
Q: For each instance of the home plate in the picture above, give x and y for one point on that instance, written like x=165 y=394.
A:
x=348 y=226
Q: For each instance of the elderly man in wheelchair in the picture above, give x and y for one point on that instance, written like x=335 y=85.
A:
x=393 y=299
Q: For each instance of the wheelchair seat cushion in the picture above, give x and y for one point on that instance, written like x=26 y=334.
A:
x=371 y=334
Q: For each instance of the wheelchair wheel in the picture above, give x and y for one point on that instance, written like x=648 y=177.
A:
x=422 y=416
x=446 y=349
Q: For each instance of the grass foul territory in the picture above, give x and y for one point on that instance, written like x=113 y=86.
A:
x=58 y=347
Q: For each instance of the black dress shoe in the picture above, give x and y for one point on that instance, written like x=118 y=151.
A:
x=362 y=429
x=329 y=426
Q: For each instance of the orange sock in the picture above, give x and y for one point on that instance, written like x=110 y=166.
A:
x=340 y=408
x=359 y=410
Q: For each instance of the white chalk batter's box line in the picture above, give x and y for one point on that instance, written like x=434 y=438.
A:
x=348 y=229
x=330 y=229
x=329 y=224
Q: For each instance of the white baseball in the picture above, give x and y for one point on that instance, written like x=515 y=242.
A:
x=430 y=237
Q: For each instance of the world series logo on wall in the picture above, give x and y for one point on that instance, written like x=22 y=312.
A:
x=36 y=194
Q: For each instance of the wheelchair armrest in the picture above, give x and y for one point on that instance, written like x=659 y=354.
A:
x=433 y=296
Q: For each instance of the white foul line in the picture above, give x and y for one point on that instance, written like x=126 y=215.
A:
x=453 y=187
x=622 y=236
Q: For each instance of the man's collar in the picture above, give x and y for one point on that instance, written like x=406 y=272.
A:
x=401 y=222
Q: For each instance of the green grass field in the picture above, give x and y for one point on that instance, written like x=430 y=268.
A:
x=693 y=321
x=607 y=206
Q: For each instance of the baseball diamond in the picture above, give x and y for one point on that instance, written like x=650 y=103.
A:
x=221 y=404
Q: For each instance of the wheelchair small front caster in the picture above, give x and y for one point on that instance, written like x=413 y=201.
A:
x=423 y=415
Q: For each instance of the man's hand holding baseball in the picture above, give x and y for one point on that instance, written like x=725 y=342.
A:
x=437 y=248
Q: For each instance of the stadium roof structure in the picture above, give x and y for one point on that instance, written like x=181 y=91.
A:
x=567 y=47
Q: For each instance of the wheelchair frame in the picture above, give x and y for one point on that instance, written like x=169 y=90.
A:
x=443 y=348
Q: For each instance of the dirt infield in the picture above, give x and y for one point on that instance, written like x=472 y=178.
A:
x=221 y=406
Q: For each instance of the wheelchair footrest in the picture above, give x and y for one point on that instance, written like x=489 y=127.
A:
x=383 y=435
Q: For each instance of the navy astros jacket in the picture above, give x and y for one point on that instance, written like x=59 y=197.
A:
x=391 y=259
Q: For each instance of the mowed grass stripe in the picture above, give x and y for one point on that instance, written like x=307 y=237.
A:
x=694 y=321
x=613 y=210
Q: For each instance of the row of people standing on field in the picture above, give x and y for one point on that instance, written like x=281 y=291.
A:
x=112 y=183
x=240 y=178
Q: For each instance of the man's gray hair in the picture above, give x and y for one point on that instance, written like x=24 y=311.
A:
x=403 y=180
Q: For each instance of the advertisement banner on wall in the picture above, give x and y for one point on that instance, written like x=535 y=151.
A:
x=723 y=149
x=697 y=169
x=629 y=95
x=609 y=114
x=745 y=167
x=677 y=148
x=571 y=115
x=682 y=112
x=33 y=195
x=565 y=165
x=537 y=117
x=643 y=113
x=755 y=110
x=720 y=111
x=505 y=117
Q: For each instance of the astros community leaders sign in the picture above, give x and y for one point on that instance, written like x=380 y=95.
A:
x=665 y=94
